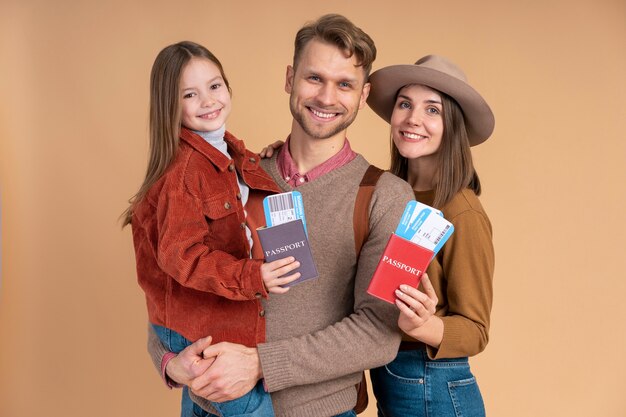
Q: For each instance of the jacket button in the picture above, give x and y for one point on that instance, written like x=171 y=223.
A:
x=257 y=295
x=252 y=159
x=231 y=167
x=242 y=225
x=262 y=313
x=238 y=196
x=227 y=205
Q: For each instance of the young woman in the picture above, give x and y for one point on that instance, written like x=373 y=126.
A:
x=435 y=116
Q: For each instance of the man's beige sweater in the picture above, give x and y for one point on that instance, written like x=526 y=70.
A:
x=324 y=332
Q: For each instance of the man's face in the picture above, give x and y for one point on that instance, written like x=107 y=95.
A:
x=326 y=90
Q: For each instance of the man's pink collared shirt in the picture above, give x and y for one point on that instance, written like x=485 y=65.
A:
x=289 y=171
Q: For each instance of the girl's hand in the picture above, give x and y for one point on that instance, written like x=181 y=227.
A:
x=271 y=271
x=268 y=151
x=416 y=307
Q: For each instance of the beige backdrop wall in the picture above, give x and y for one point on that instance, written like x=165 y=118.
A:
x=73 y=141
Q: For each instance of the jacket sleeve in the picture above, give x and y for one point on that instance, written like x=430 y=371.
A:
x=183 y=254
x=468 y=265
x=368 y=337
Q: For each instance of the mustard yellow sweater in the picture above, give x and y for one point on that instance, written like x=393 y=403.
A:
x=462 y=275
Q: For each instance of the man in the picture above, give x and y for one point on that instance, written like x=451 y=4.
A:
x=323 y=332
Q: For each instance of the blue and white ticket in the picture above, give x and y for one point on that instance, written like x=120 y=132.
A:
x=425 y=226
x=412 y=210
x=282 y=208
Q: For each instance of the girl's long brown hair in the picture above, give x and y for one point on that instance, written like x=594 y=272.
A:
x=165 y=112
x=455 y=167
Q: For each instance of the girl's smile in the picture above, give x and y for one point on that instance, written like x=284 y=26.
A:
x=205 y=98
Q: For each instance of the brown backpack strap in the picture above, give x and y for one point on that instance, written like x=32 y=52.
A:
x=362 y=399
x=361 y=223
x=361 y=216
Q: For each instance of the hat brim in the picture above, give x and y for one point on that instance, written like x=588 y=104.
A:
x=386 y=82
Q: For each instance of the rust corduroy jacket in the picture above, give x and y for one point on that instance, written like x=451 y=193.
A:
x=193 y=257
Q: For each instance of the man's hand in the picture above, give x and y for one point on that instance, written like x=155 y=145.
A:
x=234 y=372
x=268 y=151
x=189 y=363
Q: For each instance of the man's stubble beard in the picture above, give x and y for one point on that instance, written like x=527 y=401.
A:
x=309 y=130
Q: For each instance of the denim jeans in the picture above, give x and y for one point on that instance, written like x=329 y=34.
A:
x=413 y=385
x=350 y=413
x=256 y=403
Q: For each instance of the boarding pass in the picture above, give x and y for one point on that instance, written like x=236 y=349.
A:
x=425 y=226
x=282 y=208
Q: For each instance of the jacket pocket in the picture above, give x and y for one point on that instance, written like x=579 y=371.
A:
x=224 y=230
x=218 y=206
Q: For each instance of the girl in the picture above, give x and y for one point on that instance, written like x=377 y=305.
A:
x=191 y=241
x=435 y=117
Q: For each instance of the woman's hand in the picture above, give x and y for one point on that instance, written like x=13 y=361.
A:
x=271 y=271
x=268 y=151
x=416 y=307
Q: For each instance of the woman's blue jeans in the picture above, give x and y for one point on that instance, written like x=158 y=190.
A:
x=256 y=403
x=414 y=385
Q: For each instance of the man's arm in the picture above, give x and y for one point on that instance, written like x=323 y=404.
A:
x=368 y=337
x=203 y=368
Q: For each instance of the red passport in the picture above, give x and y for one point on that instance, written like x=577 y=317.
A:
x=402 y=262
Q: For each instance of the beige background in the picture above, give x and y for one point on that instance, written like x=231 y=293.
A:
x=73 y=142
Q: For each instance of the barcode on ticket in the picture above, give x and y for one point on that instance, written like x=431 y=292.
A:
x=283 y=208
x=281 y=202
x=442 y=234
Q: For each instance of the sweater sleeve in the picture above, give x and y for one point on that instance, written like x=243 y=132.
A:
x=182 y=251
x=368 y=337
x=157 y=352
x=468 y=265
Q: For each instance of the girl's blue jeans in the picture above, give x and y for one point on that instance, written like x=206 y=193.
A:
x=256 y=403
x=414 y=385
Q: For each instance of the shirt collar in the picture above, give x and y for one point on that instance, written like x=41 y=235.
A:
x=289 y=171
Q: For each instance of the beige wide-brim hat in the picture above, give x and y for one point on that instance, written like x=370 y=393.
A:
x=439 y=73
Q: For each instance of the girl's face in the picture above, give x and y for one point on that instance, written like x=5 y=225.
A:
x=417 y=121
x=204 y=96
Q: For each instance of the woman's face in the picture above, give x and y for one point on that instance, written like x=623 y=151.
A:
x=417 y=121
